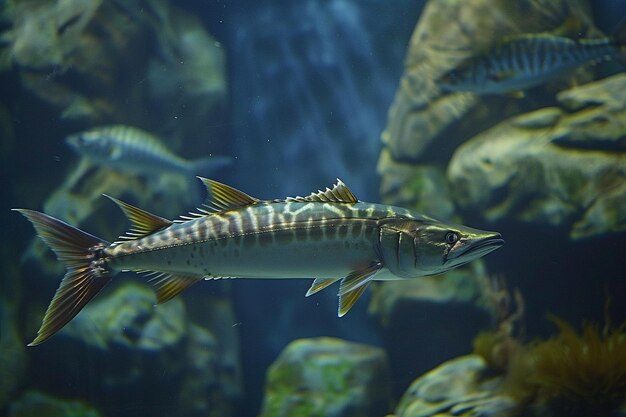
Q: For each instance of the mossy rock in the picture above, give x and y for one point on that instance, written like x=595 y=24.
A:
x=327 y=377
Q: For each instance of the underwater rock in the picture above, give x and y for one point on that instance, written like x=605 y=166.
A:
x=432 y=308
x=447 y=33
x=213 y=309
x=187 y=78
x=35 y=403
x=329 y=377
x=557 y=166
x=55 y=46
x=89 y=60
x=126 y=344
x=423 y=188
x=127 y=319
x=458 y=387
x=208 y=389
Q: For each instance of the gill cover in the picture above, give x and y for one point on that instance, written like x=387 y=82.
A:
x=397 y=247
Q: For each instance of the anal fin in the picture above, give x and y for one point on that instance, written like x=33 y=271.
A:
x=167 y=286
x=319 y=284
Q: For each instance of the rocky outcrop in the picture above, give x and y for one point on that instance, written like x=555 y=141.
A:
x=425 y=125
x=121 y=343
x=563 y=166
x=458 y=387
x=100 y=62
x=329 y=377
x=447 y=33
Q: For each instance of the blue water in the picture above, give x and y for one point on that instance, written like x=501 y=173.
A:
x=305 y=93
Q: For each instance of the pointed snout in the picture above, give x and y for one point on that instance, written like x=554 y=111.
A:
x=476 y=246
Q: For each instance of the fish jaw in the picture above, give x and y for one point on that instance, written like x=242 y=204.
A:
x=473 y=246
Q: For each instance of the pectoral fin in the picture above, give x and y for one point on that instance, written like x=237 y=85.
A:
x=347 y=300
x=354 y=285
x=358 y=278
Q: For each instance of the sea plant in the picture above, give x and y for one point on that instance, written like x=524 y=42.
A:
x=586 y=369
x=572 y=373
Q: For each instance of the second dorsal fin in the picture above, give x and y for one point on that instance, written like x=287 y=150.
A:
x=224 y=197
x=142 y=222
x=340 y=193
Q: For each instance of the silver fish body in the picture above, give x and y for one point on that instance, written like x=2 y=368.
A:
x=267 y=240
x=329 y=236
x=526 y=61
x=129 y=149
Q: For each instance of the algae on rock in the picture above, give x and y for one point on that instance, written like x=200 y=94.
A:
x=458 y=387
x=558 y=166
x=330 y=377
x=88 y=60
x=448 y=32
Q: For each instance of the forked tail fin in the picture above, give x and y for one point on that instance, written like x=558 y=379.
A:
x=86 y=270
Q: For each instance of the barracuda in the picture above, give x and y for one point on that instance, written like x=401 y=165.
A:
x=328 y=236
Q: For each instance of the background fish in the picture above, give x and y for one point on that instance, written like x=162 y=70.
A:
x=525 y=61
x=130 y=149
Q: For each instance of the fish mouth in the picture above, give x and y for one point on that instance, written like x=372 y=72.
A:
x=479 y=247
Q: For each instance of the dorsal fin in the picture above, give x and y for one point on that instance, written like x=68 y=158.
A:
x=224 y=197
x=142 y=222
x=340 y=193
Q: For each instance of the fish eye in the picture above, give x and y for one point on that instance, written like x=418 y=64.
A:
x=452 y=237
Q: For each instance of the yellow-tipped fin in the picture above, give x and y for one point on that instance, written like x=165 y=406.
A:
x=347 y=300
x=354 y=285
x=319 y=284
x=224 y=197
x=167 y=286
x=142 y=222
x=339 y=193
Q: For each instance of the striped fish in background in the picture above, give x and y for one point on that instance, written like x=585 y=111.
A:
x=521 y=62
x=129 y=149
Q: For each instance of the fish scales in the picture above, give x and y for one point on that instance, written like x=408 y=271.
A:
x=328 y=235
